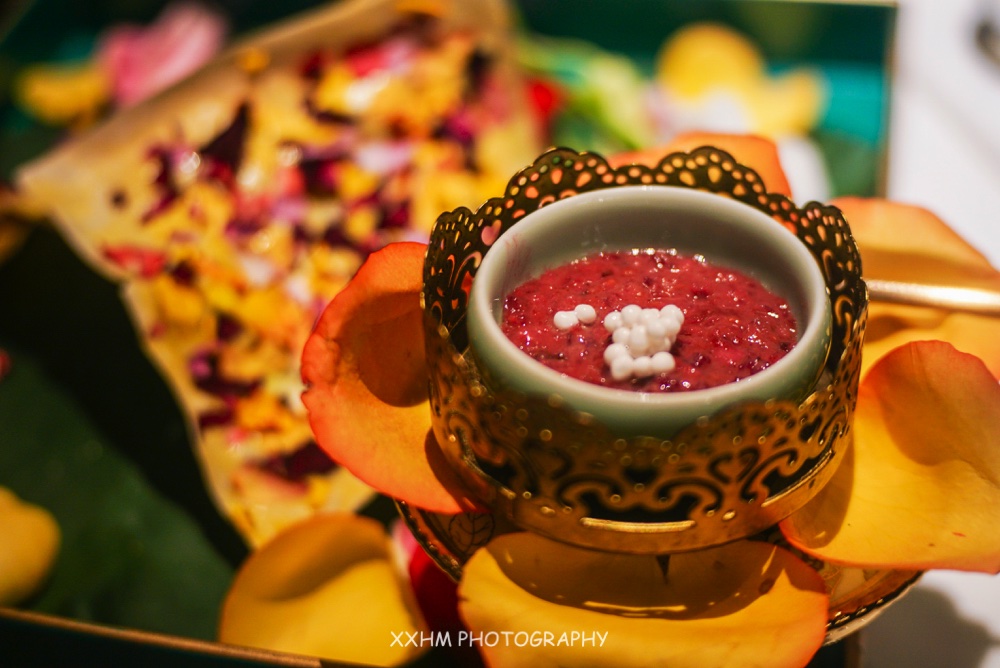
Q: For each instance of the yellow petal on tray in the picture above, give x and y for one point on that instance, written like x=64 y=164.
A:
x=758 y=153
x=745 y=603
x=920 y=488
x=63 y=93
x=326 y=588
x=901 y=242
x=29 y=545
x=366 y=377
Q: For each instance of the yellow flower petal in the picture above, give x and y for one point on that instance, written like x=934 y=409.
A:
x=63 y=93
x=29 y=545
x=920 y=488
x=907 y=243
x=327 y=588
x=742 y=604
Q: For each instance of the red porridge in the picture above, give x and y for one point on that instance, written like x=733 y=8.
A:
x=732 y=326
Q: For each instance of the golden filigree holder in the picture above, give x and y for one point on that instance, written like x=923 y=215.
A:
x=563 y=474
x=541 y=466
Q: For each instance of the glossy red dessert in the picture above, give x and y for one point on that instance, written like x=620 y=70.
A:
x=733 y=326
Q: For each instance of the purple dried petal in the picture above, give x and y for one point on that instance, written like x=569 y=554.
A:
x=395 y=216
x=325 y=116
x=302 y=236
x=183 y=273
x=312 y=65
x=222 y=156
x=371 y=198
x=219 y=417
x=163 y=182
x=204 y=368
x=308 y=459
x=320 y=176
x=334 y=236
x=241 y=228
x=459 y=127
x=227 y=327
x=477 y=69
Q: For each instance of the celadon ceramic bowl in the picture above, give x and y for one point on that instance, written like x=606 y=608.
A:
x=727 y=233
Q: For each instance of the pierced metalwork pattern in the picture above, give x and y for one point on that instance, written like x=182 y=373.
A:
x=561 y=473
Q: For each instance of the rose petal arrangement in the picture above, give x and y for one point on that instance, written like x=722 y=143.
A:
x=919 y=486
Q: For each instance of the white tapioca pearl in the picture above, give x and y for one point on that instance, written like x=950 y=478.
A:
x=613 y=321
x=565 y=319
x=614 y=351
x=658 y=345
x=663 y=362
x=620 y=335
x=673 y=311
x=671 y=327
x=630 y=314
x=638 y=341
x=621 y=367
x=642 y=366
x=585 y=313
x=657 y=329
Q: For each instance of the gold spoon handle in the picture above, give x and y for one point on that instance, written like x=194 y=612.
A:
x=970 y=300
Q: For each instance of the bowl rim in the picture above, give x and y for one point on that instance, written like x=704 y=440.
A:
x=486 y=338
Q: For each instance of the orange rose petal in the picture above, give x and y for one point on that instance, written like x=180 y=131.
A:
x=907 y=243
x=920 y=488
x=327 y=588
x=758 y=153
x=889 y=228
x=745 y=603
x=366 y=375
